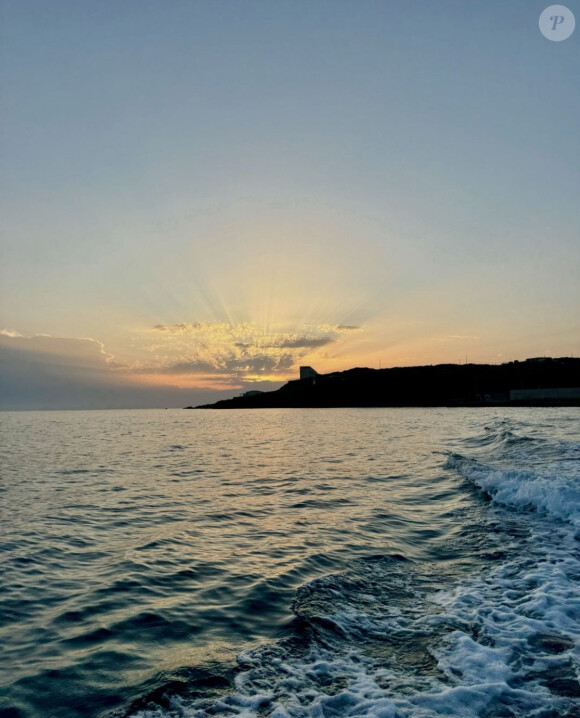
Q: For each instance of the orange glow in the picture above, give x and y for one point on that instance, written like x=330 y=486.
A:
x=189 y=381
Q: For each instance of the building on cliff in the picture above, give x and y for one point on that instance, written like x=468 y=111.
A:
x=307 y=372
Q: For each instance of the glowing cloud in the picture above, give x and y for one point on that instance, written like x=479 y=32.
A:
x=241 y=350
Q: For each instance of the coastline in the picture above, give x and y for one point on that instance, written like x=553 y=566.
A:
x=543 y=382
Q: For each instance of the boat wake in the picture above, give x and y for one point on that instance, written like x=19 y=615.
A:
x=394 y=638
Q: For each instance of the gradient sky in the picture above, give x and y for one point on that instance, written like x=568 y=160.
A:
x=201 y=195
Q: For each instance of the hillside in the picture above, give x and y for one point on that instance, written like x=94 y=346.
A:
x=534 y=382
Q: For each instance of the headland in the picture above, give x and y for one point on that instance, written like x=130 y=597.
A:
x=541 y=381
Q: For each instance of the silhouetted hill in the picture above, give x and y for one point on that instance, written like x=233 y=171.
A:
x=534 y=382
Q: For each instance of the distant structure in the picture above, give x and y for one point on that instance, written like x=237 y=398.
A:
x=252 y=392
x=555 y=394
x=307 y=372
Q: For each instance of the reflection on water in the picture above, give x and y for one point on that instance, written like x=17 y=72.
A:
x=140 y=548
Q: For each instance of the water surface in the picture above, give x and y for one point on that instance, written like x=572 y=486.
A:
x=385 y=562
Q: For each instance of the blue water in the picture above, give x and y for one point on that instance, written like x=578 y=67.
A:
x=290 y=563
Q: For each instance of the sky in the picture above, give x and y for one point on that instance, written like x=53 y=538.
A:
x=199 y=196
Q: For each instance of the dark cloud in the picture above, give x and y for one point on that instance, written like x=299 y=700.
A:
x=52 y=373
x=237 y=366
x=195 y=366
x=303 y=343
x=178 y=328
x=260 y=364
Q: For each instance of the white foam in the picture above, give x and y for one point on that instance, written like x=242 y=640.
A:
x=496 y=638
x=493 y=661
x=552 y=495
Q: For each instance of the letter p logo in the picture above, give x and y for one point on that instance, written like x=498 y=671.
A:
x=557 y=23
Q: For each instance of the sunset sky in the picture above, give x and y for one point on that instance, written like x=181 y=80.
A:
x=201 y=195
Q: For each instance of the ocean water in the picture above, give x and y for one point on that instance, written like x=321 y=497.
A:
x=290 y=563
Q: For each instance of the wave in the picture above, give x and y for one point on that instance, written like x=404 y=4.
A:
x=508 y=439
x=385 y=639
x=553 y=495
x=468 y=654
x=396 y=638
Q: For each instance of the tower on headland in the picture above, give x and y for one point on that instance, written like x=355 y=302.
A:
x=307 y=372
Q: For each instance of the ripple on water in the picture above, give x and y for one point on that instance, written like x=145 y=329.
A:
x=142 y=556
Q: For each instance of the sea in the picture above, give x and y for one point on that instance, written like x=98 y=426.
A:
x=293 y=563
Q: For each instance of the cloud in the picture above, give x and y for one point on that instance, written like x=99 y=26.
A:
x=177 y=364
x=238 y=366
x=240 y=350
x=84 y=353
x=43 y=372
x=178 y=328
x=194 y=366
x=302 y=343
